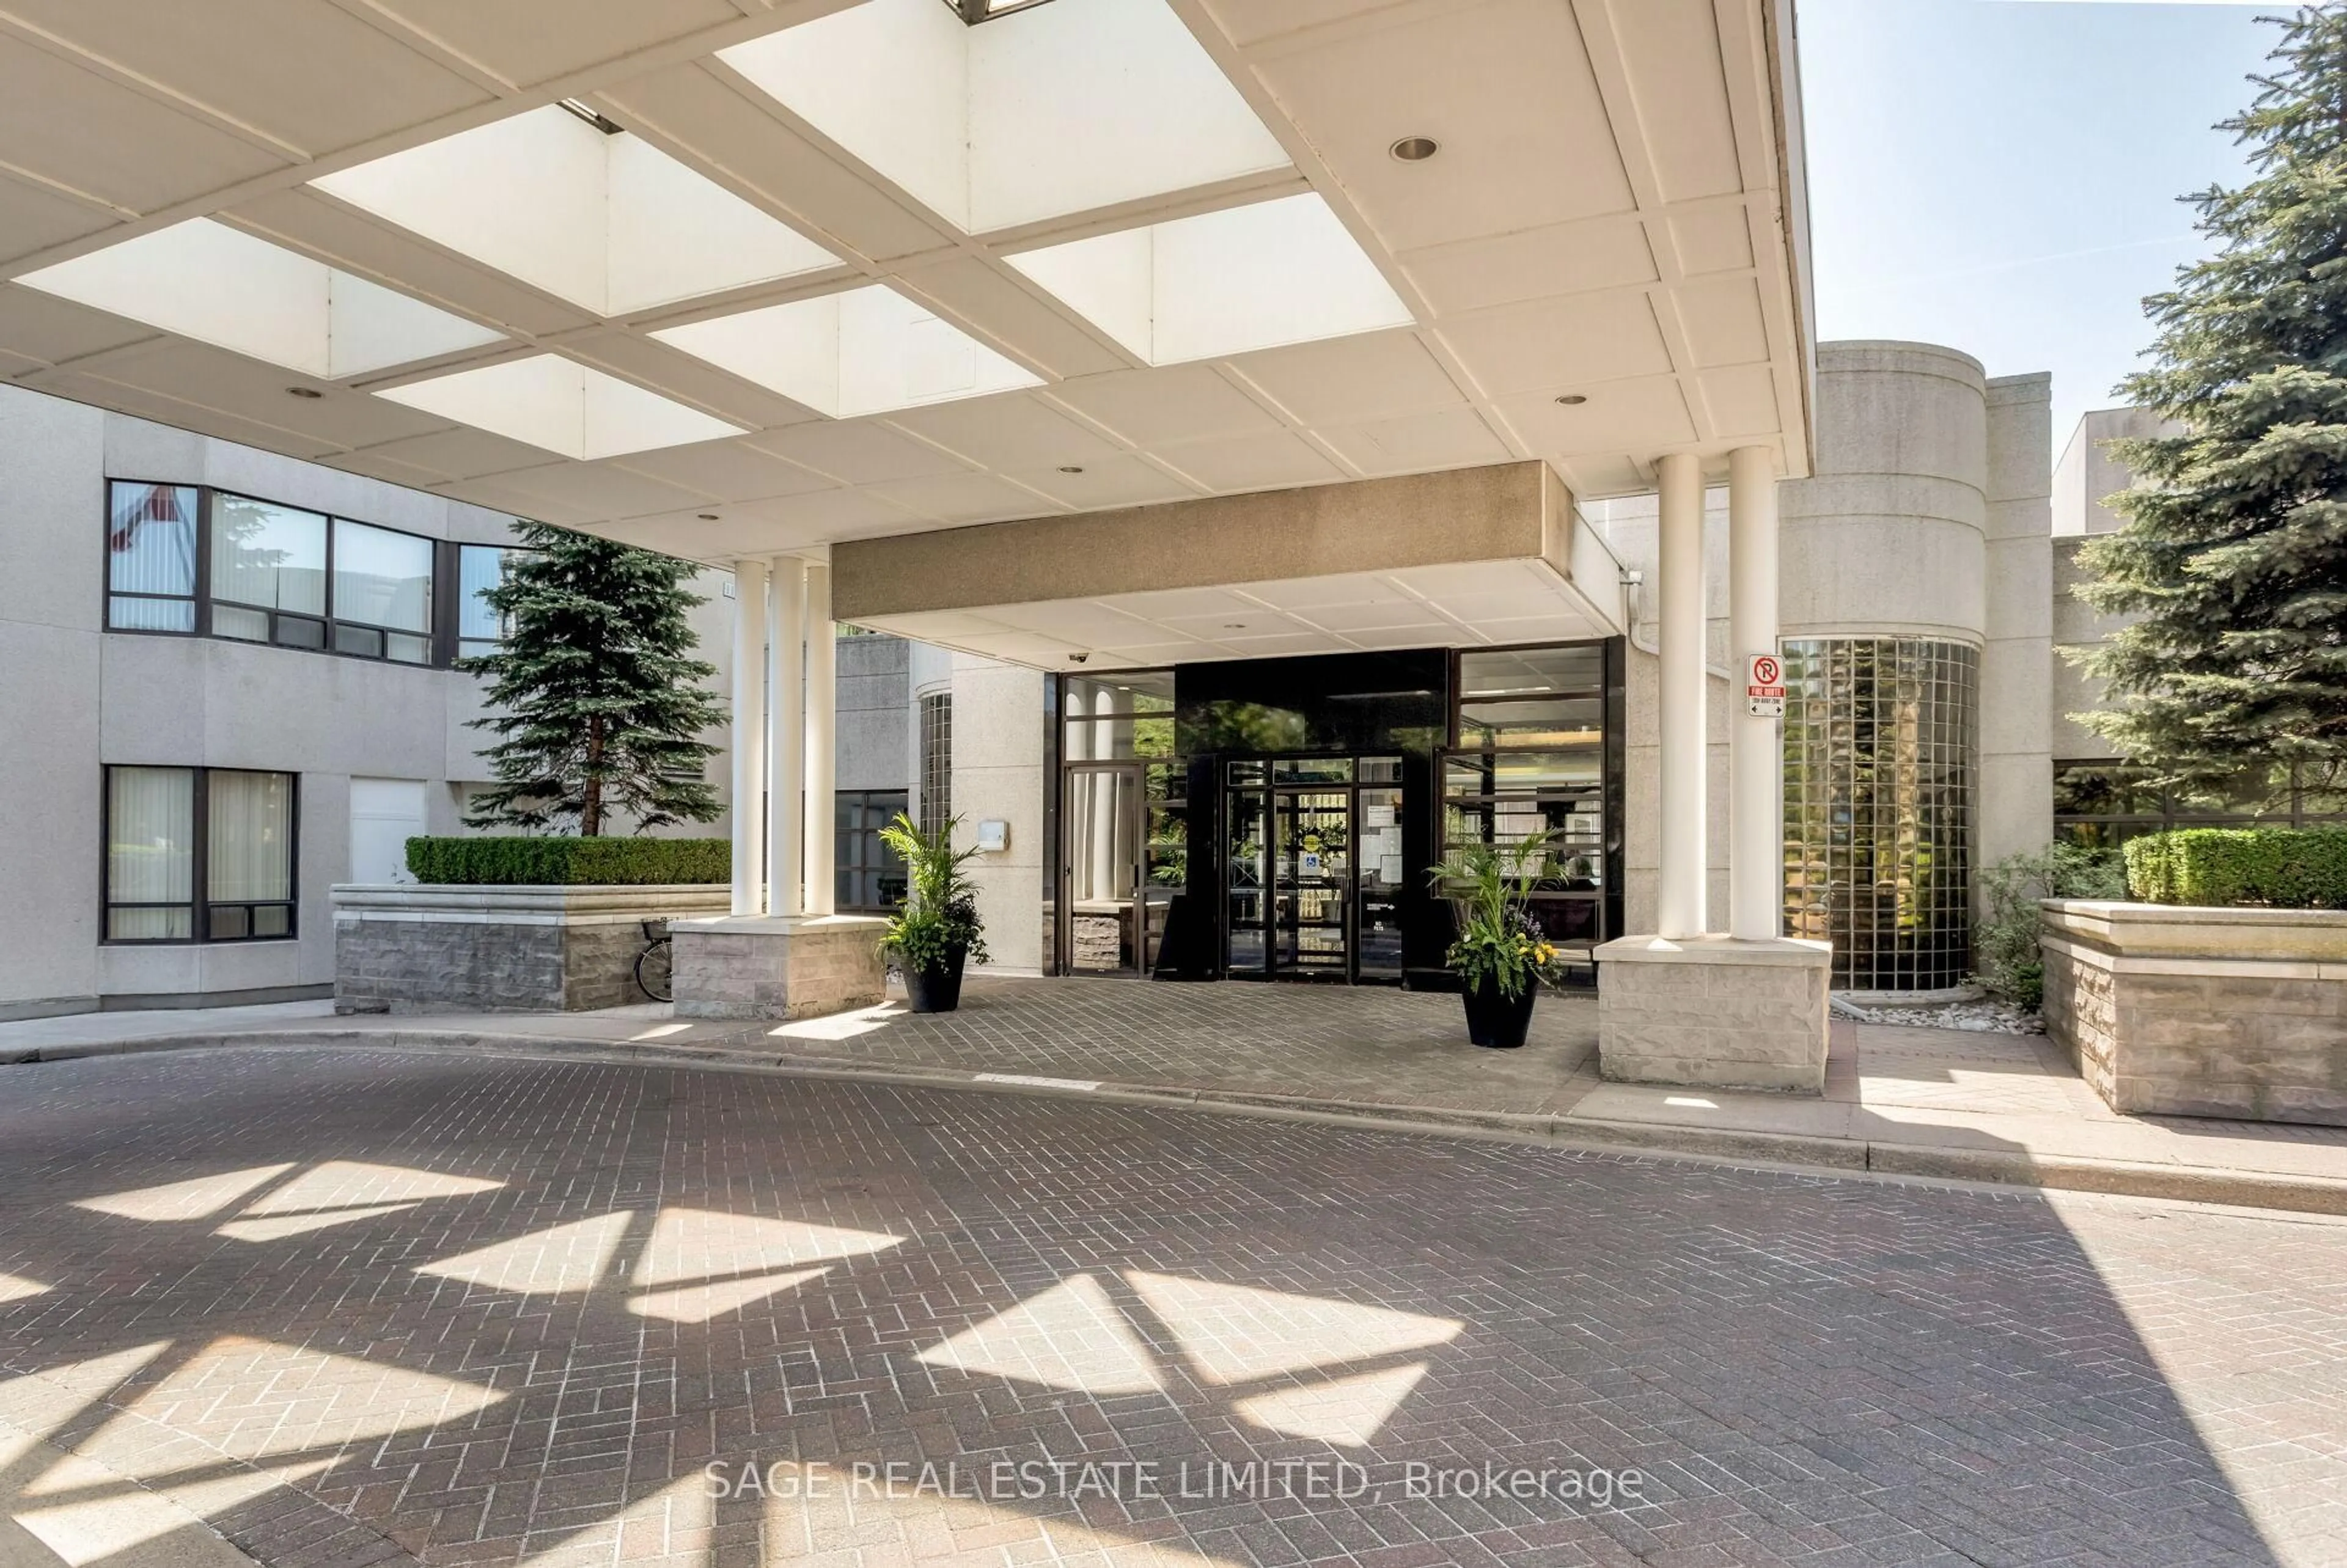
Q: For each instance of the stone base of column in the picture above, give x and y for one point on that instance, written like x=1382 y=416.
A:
x=1714 y=1011
x=777 y=966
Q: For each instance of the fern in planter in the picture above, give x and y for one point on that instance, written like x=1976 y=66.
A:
x=937 y=928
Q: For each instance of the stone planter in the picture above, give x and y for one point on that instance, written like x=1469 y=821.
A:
x=778 y=966
x=2202 y=1012
x=404 y=947
x=1714 y=1012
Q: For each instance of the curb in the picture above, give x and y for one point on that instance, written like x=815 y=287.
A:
x=1778 y=1151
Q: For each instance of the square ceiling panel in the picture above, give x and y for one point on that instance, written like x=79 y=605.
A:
x=221 y=286
x=1048 y=111
x=563 y=406
x=863 y=352
x=1222 y=282
x=592 y=215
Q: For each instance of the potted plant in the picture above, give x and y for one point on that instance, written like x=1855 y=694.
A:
x=936 y=929
x=1501 y=955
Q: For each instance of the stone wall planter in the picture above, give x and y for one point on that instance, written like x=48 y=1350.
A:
x=1714 y=1011
x=402 y=948
x=2202 y=1012
x=778 y=966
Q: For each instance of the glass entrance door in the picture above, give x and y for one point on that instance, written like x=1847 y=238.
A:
x=1312 y=883
x=1312 y=864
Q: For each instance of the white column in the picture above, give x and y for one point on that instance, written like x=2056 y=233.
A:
x=822 y=753
x=749 y=731
x=1755 y=808
x=785 y=733
x=1679 y=895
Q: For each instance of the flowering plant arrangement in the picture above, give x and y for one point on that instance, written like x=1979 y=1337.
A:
x=1497 y=937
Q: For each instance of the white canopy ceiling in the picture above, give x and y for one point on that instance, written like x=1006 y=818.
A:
x=784 y=274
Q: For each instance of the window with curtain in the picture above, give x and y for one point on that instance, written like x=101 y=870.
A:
x=151 y=846
x=150 y=556
x=248 y=855
x=479 y=628
x=185 y=560
x=171 y=832
x=268 y=572
x=383 y=593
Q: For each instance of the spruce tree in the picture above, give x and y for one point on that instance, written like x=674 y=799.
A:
x=595 y=692
x=2234 y=554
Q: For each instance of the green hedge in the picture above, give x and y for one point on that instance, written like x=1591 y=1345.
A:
x=2291 y=868
x=513 y=861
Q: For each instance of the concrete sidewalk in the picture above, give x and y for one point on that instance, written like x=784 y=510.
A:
x=1910 y=1101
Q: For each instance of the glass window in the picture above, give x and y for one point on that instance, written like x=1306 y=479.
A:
x=1523 y=772
x=150 y=556
x=168 y=828
x=248 y=855
x=1533 y=721
x=1534 y=671
x=150 y=835
x=937 y=762
x=480 y=629
x=382 y=579
x=269 y=557
x=1118 y=717
x=867 y=875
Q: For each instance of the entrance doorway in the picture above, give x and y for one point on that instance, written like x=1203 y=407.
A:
x=1126 y=860
x=1314 y=868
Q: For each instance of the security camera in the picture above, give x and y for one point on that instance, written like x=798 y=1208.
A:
x=1078 y=658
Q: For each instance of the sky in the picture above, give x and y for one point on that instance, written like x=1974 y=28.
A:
x=2001 y=176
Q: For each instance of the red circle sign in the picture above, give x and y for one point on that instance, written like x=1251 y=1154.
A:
x=1765 y=672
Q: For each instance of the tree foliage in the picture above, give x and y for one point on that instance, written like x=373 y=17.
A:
x=2234 y=555
x=596 y=694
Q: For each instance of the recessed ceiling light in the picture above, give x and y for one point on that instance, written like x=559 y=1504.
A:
x=1415 y=148
x=310 y=392
x=706 y=516
x=1234 y=626
x=1072 y=467
x=1572 y=400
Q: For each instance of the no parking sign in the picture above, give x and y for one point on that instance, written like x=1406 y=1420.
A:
x=1764 y=686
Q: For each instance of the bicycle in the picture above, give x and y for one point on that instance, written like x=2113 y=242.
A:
x=655 y=974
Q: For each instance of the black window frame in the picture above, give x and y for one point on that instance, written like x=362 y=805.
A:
x=442 y=645
x=857 y=852
x=199 y=905
x=2110 y=830
x=1598 y=799
x=195 y=600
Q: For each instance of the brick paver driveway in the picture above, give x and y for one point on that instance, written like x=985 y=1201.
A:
x=359 y=1307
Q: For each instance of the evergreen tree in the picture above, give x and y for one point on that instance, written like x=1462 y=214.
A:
x=2234 y=554
x=595 y=692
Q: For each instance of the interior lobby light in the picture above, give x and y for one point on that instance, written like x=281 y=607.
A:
x=1415 y=148
x=1572 y=399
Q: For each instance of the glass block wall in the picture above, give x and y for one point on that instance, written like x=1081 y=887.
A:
x=1881 y=734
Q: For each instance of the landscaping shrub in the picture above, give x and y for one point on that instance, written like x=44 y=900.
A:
x=507 y=860
x=2289 y=869
x=2005 y=940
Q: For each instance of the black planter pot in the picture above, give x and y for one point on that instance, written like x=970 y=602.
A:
x=1496 y=1020
x=936 y=989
